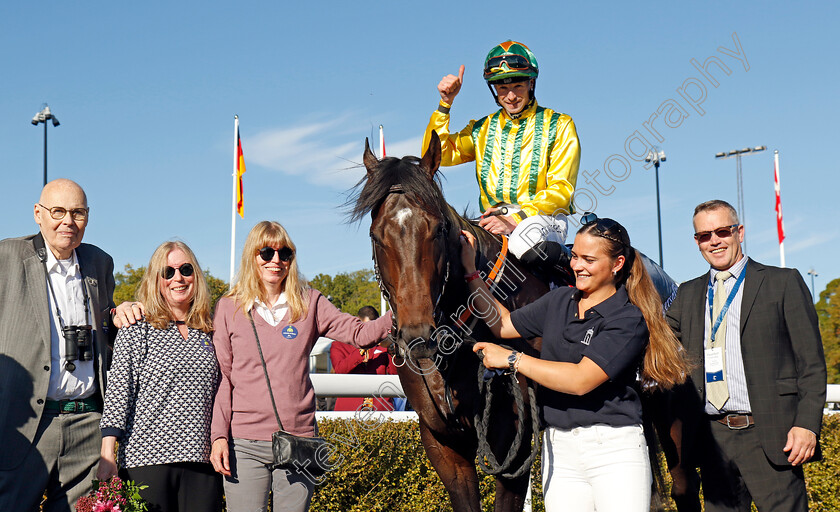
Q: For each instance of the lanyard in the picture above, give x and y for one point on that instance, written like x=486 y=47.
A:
x=726 y=305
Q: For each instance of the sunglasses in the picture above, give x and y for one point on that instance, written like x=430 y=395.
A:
x=513 y=62
x=601 y=226
x=285 y=254
x=724 y=232
x=58 y=213
x=186 y=270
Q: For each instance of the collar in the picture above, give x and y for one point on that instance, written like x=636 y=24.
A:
x=528 y=112
x=279 y=303
x=735 y=269
x=610 y=305
x=62 y=267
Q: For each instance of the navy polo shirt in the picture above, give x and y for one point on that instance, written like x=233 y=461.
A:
x=613 y=334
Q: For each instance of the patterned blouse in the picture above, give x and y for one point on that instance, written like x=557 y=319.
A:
x=159 y=398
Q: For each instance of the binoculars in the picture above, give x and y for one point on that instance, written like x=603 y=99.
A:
x=78 y=345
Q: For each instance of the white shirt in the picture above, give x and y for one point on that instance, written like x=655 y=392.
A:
x=66 y=279
x=273 y=314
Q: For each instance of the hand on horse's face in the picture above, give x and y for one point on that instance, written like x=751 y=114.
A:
x=468 y=251
x=498 y=224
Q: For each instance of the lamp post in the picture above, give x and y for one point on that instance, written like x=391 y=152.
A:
x=813 y=274
x=740 y=177
x=656 y=157
x=42 y=117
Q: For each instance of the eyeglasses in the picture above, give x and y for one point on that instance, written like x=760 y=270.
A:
x=512 y=62
x=58 y=213
x=724 y=232
x=285 y=254
x=601 y=226
x=186 y=270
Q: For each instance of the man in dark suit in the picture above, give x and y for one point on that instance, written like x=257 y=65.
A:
x=760 y=380
x=55 y=298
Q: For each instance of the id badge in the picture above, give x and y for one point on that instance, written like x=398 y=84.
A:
x=714 y=364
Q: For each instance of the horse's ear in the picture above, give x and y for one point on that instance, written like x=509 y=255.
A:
x=431 y=159
x=369 y=158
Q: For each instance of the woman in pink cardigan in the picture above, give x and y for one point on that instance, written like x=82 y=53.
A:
x=289 y=318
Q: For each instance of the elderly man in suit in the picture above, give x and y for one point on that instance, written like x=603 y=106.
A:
x=55 y=298
x=760 y=377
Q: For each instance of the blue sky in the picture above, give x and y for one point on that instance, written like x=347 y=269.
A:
x=146 y=94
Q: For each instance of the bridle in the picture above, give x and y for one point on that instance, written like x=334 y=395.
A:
x=437 y=312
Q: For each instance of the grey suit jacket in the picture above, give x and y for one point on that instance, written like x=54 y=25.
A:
x=781 y=347
x=25 y=336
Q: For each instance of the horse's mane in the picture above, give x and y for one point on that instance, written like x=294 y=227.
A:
x=406 y=175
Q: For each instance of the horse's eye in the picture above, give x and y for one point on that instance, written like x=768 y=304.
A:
x=441 y=231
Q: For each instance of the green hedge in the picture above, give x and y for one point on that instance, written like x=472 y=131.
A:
x=384 y=468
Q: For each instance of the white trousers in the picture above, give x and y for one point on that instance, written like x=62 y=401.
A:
x=598 y=468
x=536 y=229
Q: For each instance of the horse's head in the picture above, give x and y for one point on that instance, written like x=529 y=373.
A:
x=413 y=241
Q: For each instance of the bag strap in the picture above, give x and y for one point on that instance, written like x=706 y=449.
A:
x=262 y=360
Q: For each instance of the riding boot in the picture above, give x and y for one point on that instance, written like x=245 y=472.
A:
x=549 y=261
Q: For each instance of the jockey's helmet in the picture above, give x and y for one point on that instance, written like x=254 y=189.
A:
x=509 y=62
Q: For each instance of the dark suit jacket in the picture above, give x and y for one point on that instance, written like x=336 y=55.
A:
x=25 y=335
x=781 y=347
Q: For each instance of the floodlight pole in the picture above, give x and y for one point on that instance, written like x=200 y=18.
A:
x=813 y=274
x=740 y=178
x=42 y=117
x=656 y=157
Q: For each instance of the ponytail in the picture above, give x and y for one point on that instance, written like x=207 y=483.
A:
x=664 y=364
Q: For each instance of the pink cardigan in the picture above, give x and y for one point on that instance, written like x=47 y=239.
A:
x=242 y=407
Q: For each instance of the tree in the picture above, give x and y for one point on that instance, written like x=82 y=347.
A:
x=127 y=283
x=349 y=291
x=828 y=311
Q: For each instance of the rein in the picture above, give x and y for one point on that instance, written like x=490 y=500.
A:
x=482 y=412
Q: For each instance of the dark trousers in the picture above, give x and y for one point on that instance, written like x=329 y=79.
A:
x=179 y=487
x=735 y=471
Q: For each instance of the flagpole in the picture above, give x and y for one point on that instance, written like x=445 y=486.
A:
x=381 y=142
x=779 y=220
x=382 y=303
x=233 y=205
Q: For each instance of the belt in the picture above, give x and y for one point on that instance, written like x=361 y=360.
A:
x=70 y=406
x=734 y=421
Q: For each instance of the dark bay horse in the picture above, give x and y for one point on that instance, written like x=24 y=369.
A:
x=415 y=237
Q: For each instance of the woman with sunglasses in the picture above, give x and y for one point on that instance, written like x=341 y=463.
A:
x=271 y=301
x=596 y=336
x=161 y=386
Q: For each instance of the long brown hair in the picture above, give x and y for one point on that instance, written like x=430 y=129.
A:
x=148 y=291
x=664 y=364
x=249 y=285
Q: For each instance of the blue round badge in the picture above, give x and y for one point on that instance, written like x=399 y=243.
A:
x=208 y=346
x=290 y=332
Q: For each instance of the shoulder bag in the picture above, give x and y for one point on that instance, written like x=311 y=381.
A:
x=291 y=452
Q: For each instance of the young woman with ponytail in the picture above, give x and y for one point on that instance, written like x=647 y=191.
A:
x=596 y=337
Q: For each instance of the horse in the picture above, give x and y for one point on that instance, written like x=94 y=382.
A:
x=416 y=249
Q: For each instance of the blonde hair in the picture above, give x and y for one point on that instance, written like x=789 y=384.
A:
x=249 y=285
x=148 y=291
x=664 y=364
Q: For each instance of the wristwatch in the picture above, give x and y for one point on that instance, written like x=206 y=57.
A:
x=512 y=360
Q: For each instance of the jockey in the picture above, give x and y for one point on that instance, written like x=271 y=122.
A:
x=526 y=156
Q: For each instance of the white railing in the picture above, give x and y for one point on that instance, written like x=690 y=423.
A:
x=338 y=385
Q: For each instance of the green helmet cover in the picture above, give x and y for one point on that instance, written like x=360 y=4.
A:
x=510 y=60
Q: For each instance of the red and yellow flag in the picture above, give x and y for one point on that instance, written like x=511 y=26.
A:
x=240 y=170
